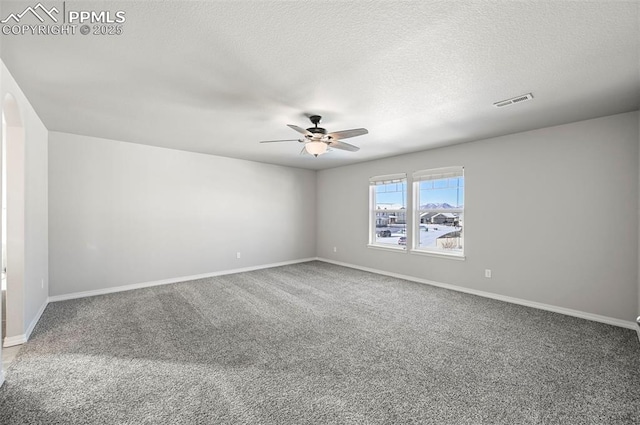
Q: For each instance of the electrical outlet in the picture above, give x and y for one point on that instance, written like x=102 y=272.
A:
x=42 y=283
x=487 y=273
x=335 y=249
x=237 y=255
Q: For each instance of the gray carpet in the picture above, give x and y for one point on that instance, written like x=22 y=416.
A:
x=315 y=343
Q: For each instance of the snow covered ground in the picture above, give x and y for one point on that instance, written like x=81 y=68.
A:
x=427 y=237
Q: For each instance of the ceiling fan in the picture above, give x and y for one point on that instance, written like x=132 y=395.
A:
x=317 y=140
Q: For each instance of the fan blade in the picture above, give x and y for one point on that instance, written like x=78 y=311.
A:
x=344 y=146
x=300 y=130
x=276 y=141
x=345 y=134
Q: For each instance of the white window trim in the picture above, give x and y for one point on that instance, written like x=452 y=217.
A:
x=388 y=178
x=388 y=248
x=437 y=254
x=418 y=177
x=437 y=173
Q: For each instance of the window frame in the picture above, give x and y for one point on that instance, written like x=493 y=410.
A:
x=417 y=178
x=373 y=210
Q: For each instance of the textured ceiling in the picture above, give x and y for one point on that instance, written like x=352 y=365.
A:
x=217 y=77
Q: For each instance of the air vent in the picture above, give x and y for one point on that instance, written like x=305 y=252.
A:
x=513 y=100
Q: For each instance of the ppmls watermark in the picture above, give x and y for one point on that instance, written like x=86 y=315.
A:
x=57 y=20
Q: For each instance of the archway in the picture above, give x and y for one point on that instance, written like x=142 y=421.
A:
x=13 y=203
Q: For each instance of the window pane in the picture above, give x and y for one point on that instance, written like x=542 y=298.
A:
x=426 y=184
x=440 y=184
x=391 y=196
x=390 y=215
x=392 y=235
x=441 y=232
x=439 y=217
x=445 y=193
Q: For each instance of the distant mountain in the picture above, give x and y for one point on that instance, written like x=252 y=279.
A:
x=442 y=206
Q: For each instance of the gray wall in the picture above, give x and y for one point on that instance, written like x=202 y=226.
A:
x=121 y=213
x=36 y=274
x=568 y=194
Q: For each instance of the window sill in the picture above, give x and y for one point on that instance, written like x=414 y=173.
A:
x=387 y=248
x=438 y=255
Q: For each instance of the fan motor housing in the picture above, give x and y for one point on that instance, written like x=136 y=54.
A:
x=317 y=130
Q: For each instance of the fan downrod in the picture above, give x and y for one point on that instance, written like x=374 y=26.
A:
x=315 y=119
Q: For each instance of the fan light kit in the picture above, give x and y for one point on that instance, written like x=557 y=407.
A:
x=316 y=148
x=317 y=141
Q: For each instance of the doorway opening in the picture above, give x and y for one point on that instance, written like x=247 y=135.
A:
x=4 y=224
x=12 y=218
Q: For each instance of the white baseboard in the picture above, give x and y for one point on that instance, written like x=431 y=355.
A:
x=21 y=339
x=133 y=286
x=541 y=306
x=35 y=320
x=10 y=341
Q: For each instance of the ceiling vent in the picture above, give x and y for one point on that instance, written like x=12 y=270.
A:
x=514 y=100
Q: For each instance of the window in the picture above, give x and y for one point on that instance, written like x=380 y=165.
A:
x=439 y=211
x=388 y=211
